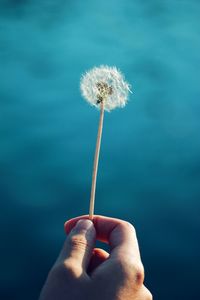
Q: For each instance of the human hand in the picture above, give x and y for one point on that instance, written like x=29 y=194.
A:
x=83 y=272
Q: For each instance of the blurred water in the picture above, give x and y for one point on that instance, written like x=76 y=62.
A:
x=149 y=171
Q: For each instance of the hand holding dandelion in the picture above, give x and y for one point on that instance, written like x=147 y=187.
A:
x=104 y=88
x=82 y=271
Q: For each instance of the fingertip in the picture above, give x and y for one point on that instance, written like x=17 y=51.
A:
x=69 y=225
x=98 y=257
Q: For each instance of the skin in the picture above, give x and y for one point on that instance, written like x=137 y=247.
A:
x=83 y=272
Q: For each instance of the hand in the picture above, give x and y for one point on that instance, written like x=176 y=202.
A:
x=83 y=272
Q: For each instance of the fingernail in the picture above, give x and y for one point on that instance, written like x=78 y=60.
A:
x=84 y=224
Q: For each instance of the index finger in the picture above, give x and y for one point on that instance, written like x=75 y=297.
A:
x=119 y=234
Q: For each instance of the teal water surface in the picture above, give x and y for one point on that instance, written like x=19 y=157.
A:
x=149 y=171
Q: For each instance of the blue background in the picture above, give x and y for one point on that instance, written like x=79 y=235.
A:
x=149 y=171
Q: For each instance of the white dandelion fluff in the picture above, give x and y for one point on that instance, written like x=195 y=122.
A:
x=105 y=88
x=105 y=84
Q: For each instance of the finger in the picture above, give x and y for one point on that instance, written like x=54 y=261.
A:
x=79 y=244
x=103 y=225
x=98 y=257
x=120 y=234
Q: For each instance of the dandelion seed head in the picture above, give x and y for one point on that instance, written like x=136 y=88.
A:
x=105 y=84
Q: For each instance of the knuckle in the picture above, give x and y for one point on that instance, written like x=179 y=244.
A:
x=132 y=270
x=68 y=266
x=129 y=226
x=135 y=272
x=139 y=273
x=78 y=242
x=72 y=268
x=66 y=269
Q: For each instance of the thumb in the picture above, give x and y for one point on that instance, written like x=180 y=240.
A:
x=79 y=245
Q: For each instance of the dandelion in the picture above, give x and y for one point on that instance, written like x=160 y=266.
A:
x=105 y=88
x=105 y=83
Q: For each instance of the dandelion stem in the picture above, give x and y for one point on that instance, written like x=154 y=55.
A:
x=96 y=160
